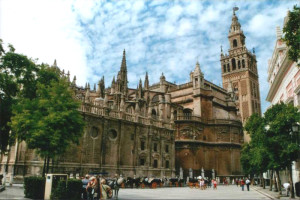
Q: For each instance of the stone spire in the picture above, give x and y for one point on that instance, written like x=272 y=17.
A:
x=162 y=78
x=68 y=76
x=146 y=83
x=87 y=93
x=74 y=81
x=101 y=87
x=112 y=88
x=122 y=76
x=123 y=64
x=197 y=69
x=54 y=64
x=140 y=89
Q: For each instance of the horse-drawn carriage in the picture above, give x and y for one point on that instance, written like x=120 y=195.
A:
x=130 y=182
x=177 y=182
x=193 y=183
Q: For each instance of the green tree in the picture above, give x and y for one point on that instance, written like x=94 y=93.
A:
x=292 y=34
x=257 y=150
x=280 y=118
x=51 y=121
x=17 y=81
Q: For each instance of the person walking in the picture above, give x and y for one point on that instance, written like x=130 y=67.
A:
x=248 y=184
x=85 y=182
x=242 y=184
x=237 y=182
x=214 y=183
x=105 y=190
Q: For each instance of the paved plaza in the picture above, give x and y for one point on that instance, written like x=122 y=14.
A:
x=223 y=192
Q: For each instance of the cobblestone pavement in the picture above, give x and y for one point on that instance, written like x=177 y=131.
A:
x=223 y=192
x=14 y=192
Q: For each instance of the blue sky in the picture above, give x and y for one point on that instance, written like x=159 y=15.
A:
x=88 y=37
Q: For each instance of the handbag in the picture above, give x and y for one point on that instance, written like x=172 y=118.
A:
x=109 y=193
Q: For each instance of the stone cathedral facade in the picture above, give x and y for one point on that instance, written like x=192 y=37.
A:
x=163 y=129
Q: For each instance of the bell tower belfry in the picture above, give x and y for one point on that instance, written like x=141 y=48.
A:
x=239 y=68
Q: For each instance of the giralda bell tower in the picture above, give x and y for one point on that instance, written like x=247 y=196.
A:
x=239 y=73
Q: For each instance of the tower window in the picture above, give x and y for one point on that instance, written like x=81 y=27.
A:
x=142 y=161
x=155 y=164
x=167 y=148
x=243 y=63
x=228 y=68
x=153 y=114
x=142 y=145
x=167 y=164
x=233 y=64
x=155 y=147
x=224 y=68
x=239 y=64
x=234 y=43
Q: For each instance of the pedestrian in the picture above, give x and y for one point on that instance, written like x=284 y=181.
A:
x=202 y=184
x=242 y=184
x=85 y=182
x=287 y=188
x=237 y=182
x=214 y=183
x=105 y=190
x=248 y=184
x=89 y=188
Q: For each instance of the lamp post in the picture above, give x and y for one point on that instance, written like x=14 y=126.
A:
x=295 y=131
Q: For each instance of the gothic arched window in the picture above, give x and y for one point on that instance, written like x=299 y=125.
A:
x=234 y=43
x=153 y=114
x=243 y=63
x=228 y=68
x=224 y=68
x=233 y=64
x=239 y=64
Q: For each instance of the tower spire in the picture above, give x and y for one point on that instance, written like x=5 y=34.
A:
x=123 y=75
x=146 y=83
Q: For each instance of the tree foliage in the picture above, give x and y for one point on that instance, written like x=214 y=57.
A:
x=17 y=81
x=51 y=121
x=292 y=34
x=274 y=147
x=255 y=155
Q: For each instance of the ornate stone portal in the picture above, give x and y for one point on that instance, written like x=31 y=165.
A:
x=159 y=130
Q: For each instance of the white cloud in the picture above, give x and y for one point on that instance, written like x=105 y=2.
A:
x=88 y=37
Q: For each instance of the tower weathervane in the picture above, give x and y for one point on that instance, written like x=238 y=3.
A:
x=235 y=9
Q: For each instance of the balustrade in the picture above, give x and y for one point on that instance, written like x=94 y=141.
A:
x=100 y=111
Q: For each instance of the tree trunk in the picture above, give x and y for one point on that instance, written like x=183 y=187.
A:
x=264 y=183
x=271 y=180
x=44 y=168
x=48 y=159
x=292 y=192
x=52 y=161
x=261 y=179
x=278 y=182
x=275 y=182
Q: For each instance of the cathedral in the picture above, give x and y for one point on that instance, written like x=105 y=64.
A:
x=161 y=129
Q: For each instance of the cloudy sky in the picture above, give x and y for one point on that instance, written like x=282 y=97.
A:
x=87 y=37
